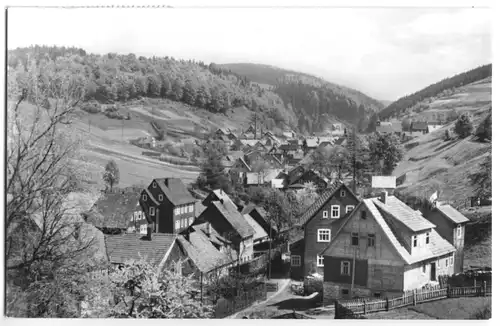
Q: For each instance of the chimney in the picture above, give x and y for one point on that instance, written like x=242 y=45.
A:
x=383 y=197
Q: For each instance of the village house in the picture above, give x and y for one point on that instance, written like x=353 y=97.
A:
x=382 y=249
x=383 y=183
x=419 y=127
x=319 y=223
x=239 y=170
x=168 y=205
x=310 y=144
x=223 y=216
x=289 y=134
x=300 y=176
x=112 y=212
x=259 y=215
x=450 y=224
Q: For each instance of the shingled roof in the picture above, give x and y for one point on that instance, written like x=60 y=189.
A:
x=260 y=233
x=112 y=210
x=202 y=252
x=452 y=214
x=437 y=245
x=131 y=246
x=175 y=190
x=412 y=219
x=237 y=221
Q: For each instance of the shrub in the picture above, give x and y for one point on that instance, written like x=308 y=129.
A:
x=483 y=131
x=174 y=150
x=91 y=107
x=447 y=135
x=463 y=126
x=484 y=313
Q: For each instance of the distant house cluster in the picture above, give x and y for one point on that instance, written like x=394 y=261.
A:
x=412 y=130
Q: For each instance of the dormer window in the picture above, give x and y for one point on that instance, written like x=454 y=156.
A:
x=160 y=197
x=325 y=214
x=342 y=193
x=154 y=184
x=415 y=241
x=427 y=238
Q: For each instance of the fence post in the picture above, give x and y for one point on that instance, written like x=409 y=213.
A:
x=386 y=304
x=364 y=307
x=484 y=288
x=448 y=291
x=414 y=297
x=336 y=309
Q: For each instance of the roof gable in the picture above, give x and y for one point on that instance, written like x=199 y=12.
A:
x=230 y=213
x=413 y=220
x=175 y=190
x=323 y=199
x=452 y=214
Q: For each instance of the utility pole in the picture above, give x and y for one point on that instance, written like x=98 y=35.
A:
x=270 y=242
x=354 y=158
x=123 y=123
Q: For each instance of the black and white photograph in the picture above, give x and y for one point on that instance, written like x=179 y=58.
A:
x=251 y=161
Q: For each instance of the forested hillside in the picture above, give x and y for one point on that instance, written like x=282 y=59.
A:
x=296 y=101
x=435 y=90
x=310 y=96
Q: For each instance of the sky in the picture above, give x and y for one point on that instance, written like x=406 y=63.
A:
x=385 y=53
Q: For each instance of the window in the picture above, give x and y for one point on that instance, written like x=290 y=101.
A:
x=154 y=184
x=376 y=294
x=354 y=239
x=144 y=197
x=177 y=224
x=371 y=240
x=345 y=292
x=427 y=238
x=451 y=259
x=342 y=193
x=295 y=260
x=345 y=268
x=459 y=231
x=415 y=241
x=151 y=211
x=437 y=263
x=349 y=208
x=324 y=235
x=191 y=208
x=320 y=261
x=363 y=215
x=424 y=268
x=335 y=211
x=160 y=197
x=325 y=214
x=446 y=262
x=190 y=220
x=182 y=209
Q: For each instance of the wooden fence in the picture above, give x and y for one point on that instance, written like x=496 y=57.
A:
x=345 y=308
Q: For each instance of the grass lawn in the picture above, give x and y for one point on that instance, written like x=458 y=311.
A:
x=456 y=308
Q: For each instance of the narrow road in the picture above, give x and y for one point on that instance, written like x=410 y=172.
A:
x=284 y=284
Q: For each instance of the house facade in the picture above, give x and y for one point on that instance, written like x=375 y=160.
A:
x=319 y=223
x=383 y=249
x=168 y=205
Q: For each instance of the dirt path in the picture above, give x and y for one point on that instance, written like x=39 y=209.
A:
x=283 y=285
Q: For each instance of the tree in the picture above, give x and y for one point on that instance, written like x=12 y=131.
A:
x=141 y=291
x=306 y=196
x=280 y=212
x=483 y=131
x=330 y=161
x=212 y=168
x=482 y=179
x=202 y=97
x=253 y=121
x=463 y=126
x=189 y=96
x=385 y=152
x=216 y=100
x=46 y=241
x=111 y=175
x=154 y=86
x=178 y=90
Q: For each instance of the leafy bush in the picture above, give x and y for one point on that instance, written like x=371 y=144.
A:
x=484 y=313
x=483 y=131
x=91 y=107
x=463 y=126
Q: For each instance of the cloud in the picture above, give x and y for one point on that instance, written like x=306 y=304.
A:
x=385 y=53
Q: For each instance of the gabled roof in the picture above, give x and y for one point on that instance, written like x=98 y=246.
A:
x=150 y=195
x=320 y=202
x=202 y=252
x=452 y=214
x=419 y=126
x=312 y=142
x=436 y=248
x=237 y=221
x=242 y=160
x=112 y=210
x=123 y=247
x=260 y=233
x=175 y=190
x=386 y=129
x=249 y=142
x=340 y=141
x=413 y=220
